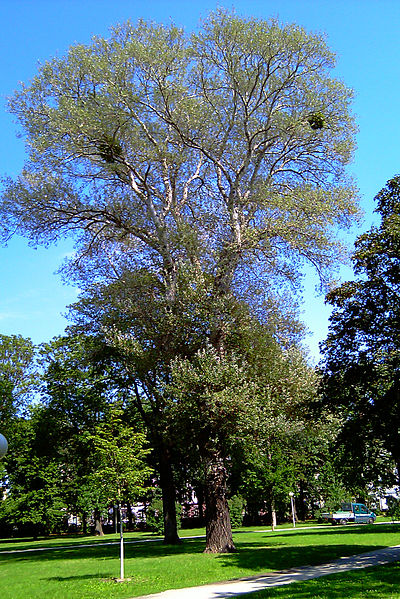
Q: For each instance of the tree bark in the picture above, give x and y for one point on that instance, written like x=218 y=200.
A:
x=302 y=508
x=273 y=515
x=218 y=523
x=98 y=525
x=169 y=498
x=84 y=523
x=130 y=516
x=199 y=490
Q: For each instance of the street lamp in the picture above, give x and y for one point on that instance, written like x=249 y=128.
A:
x=3 y=446
x=291 y=495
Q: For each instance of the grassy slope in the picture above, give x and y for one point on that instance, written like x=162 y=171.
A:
x=85 y=572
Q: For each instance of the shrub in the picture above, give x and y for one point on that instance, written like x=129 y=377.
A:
x=236 y=510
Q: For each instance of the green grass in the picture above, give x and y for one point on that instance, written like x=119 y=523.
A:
x=372 y=583
x=86 y=572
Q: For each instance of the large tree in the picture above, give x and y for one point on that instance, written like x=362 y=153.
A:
x=361 y=356
x=222 y=151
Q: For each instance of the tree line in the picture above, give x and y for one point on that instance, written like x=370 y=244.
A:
x=82 y=446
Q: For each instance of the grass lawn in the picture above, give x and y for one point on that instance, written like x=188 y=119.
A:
x=80 y=572
x=372 y=583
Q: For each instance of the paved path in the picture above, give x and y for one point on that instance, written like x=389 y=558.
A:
x=262 y=581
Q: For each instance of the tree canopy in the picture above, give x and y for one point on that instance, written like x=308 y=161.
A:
x=155 y=147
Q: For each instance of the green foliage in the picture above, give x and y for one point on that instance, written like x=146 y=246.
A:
x=236 y=510
x=56 y=465
x=393 y=508
x=119 y=467
x=211 y=161
x=212 y=401
x=361 y=353
x=154 y=516
x=18 y=376
x=35 y=503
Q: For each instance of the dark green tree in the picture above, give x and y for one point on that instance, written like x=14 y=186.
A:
x=52 y=460
x=35 y=503
x=361 y=356
x=78 y=389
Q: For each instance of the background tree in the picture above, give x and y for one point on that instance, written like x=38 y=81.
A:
x=17 y=375
x=274 y=462
x=144 y=334
x=35 y=503
x=361 y=354
x=76 y=392
x=51 y=467
x=222 y=151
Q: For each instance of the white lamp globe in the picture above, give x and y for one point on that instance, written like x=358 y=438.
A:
x=3 y=445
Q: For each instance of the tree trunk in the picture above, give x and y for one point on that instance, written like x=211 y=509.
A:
x=218 y=522
x=273 y=514
x=199 y=490
x=302 y=508
x=169 y=498
x=130 y=516
x=84 y=523
x=98 y=525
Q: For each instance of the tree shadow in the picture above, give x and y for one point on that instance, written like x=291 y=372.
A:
x=349 y=529
x=254 y=558
x=268 y=552
x=107 y=551
x=77 y=577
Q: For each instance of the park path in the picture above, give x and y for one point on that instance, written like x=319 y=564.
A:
x=242 y=586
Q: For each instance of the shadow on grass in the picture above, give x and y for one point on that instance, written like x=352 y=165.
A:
x=349 y=529
x=269 y=551
x=61 y=542
x=107 y=551
x=77 y=577
x=257 y=559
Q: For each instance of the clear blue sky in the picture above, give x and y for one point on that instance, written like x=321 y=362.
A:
x=365 y=35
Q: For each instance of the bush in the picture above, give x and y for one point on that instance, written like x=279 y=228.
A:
x=393 y=508
x=236 y=510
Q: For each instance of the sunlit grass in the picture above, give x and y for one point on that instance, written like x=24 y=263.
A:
x=371 y=583
x=86 y=572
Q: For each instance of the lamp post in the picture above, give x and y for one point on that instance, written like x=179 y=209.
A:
x=3 y=446
x=291 y=495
